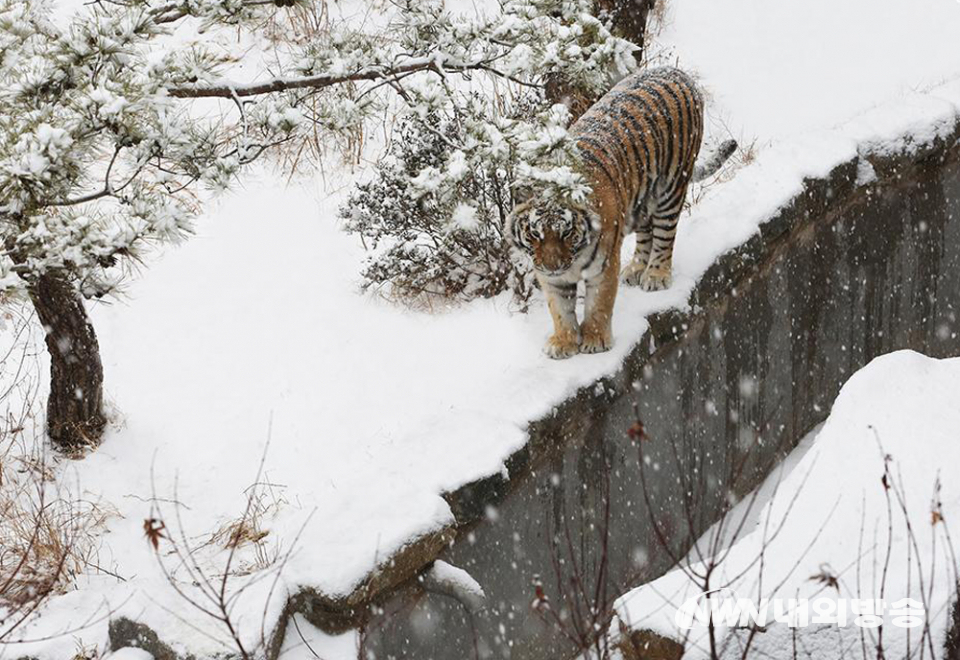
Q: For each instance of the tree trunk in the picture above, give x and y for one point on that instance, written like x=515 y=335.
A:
x=628 y=21
x=75 y=408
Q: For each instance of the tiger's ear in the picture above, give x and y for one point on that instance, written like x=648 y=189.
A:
x=593 y=216
x=590 y=212
x=513 y=227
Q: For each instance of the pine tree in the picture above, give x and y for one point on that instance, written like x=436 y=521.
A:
x=101 y=157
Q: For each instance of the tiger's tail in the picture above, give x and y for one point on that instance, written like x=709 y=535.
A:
x=709 y=166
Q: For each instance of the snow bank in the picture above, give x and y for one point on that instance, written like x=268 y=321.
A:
x=776 y=70
x=255 y=328
x=900 y=413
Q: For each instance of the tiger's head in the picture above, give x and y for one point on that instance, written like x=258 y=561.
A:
x=552 y=232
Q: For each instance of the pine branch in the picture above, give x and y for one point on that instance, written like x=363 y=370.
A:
x=233 y=90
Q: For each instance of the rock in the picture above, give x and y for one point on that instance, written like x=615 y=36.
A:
x=335 y=616
x=645 y=644
x=125 y=633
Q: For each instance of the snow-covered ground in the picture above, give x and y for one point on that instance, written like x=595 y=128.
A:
x=828 y=516
x=256 y=329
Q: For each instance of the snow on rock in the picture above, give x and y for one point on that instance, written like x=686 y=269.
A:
x=916 y=119
x=900 y=413
x=455 y=582
x=866 y=174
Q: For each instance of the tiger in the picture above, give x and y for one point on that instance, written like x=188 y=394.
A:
x=638 y=147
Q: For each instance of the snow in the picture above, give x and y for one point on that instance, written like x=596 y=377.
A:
x=464 y=217
x=255 y=328
x=130 y=653
x=778 y=69
x=832 y=504
x=455 y=582
x=866 y=174
x=305 y=641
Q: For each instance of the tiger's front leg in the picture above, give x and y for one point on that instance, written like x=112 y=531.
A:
x=562 y=303
x=598 y=313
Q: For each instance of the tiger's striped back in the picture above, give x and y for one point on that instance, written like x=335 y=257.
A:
x=642 y=138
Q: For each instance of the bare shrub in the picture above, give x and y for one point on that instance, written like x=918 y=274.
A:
x=48 y=532
x=264 y=499
x=48 y=537
x=213 y=584
x=577 y=604
x=745 y=154
x=703 y=564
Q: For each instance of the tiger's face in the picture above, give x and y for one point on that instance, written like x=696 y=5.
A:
x=554 y=234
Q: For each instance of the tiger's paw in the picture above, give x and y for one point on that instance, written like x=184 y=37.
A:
x=561 y=347
x=655 y=280
x=632 y=274
x=596 y=342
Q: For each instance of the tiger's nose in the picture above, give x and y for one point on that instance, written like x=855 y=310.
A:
x=554 y=259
